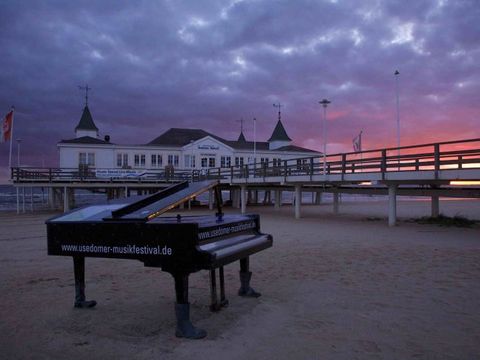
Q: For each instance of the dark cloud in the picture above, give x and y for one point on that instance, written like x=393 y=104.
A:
x=206 y=64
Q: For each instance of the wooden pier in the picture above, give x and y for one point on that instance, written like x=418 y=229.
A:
x=446 y=169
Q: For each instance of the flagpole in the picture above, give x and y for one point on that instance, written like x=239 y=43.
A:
x=11 y=141
x=361 y=151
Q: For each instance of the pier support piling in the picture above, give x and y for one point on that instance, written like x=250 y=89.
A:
x=278 y=199
x=435 y=206
x=335 y=202
x=210 y=199
x=298 y=201
x=243 y=198
x=392 y=205
x=66 y=206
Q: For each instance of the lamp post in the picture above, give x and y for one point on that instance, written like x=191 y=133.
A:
x=192 y=162
x=398 y=116
x=324 y=103
x=254 y=143
x=18 y=152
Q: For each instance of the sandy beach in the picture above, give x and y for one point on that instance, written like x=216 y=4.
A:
x=333 y=287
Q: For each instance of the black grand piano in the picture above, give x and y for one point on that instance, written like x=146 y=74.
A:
x=179 y=245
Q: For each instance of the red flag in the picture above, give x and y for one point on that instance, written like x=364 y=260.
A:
x=6 y=130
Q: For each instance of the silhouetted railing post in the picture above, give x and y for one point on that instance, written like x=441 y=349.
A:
x=285 y=169
x=344 y=164
x=436 y=155
x=460 y=160
x=311 y=168
x=383 y=164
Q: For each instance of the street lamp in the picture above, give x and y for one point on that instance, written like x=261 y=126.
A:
x=398 y=116
x=18 y=152
x=324 y=103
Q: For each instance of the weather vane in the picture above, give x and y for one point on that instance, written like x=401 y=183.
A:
x=279 y=106
x=86 y=88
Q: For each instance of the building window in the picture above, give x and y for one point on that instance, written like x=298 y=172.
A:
x=238 y=161
x=302 y=164
x=139 y=160
x=204 y=162
x=225 y=161
x=122 y=160
x=211 y=162
x=173 y=160
x=189 y=161
x=86 y=159
x=277 y=162
x=156 y=160
x=264 y=162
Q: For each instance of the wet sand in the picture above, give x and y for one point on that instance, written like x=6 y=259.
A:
x=333 y=287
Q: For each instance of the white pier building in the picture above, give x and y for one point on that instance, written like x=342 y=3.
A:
x=193 y=149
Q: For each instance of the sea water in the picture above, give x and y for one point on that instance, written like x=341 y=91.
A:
x=39 y=195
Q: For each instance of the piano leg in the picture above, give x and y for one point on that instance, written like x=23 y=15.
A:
x=245 y=276
x=213 y=291
x=79 y=272
x=223 y=300
x=185 y=327
x=215 y=305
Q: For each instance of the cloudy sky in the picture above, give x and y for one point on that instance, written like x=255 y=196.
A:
x=153 y=65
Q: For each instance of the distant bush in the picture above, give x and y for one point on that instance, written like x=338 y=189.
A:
x=442 y=220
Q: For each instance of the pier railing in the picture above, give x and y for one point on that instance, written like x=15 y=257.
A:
x=451 y=155
x=464 y=154
x=97 y=175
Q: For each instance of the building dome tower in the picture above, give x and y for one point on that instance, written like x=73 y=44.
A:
x=86 y=126
x=279 y=136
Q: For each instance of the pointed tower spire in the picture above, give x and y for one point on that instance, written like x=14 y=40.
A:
x=279 y=133
x=241 y=137
x=86 y=126
x=279 y=136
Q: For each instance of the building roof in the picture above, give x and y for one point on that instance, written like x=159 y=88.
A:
x=85 y=140
x=295 y=148
x=279 y=133
x=181 y=137
x=86 y=121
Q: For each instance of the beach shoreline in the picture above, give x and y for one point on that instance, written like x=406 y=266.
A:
x=341 y=286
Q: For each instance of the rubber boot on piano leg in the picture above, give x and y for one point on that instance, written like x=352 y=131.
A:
x=245 y=289
x=184 y=326
x=80 y=301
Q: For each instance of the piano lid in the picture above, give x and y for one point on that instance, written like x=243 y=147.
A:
x=160 y=202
